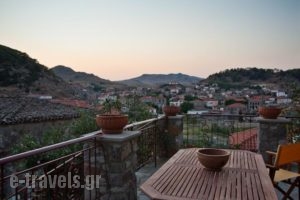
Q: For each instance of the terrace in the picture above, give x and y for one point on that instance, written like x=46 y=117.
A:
x=98 y=166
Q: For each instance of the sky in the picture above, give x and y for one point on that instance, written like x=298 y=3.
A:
x=122 y=39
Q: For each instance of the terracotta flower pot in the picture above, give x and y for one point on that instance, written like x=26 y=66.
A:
x=171 y=110
x=111 y=124
x=269 y=112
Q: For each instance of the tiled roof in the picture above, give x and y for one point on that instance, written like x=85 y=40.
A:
x=236 y=105
x=16 y=110
x=246 y=139
x=72 y=102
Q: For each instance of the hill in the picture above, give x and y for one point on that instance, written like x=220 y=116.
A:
x=70 y=75
x=17 y=68
x=160 y=79
x=245 y=77
x=21 y=74
x=85 y=80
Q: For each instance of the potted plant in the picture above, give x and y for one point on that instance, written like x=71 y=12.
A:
x=111 y=121
x=169 y=109
x=269 y=111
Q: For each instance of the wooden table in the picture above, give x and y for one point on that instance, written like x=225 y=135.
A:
x=182 y=177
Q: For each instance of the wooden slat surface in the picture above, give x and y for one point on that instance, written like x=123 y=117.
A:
x=184 y=178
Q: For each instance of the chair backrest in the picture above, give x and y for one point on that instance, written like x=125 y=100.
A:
x=287 y=153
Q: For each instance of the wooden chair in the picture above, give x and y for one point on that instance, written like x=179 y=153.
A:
x=280 y=171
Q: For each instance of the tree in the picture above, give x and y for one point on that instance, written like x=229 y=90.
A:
x=137 y=110
x=189 y=98
x=186 y=106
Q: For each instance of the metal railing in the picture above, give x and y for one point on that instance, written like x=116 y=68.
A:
x=23 y=176
x=293 y=129
x=59 y=171
x=147 y=141
x=230 y=131
x=51 y=172
x=223 y=131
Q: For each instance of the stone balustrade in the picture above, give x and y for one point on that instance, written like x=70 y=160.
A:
x=272 y=132
x=115 y=159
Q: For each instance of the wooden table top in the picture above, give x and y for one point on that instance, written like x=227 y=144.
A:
x=182 y=177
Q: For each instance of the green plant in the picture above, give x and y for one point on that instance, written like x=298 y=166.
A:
x=186 y=106
x=111 y=106
x=29 y=142
x=80 y=126
x=137 y=110
x=85 y=124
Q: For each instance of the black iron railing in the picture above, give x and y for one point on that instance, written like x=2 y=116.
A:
x=60 y=171
x=223 y=131
x=51 y=172
x=293 y=129
x=31 y=175
x=147 y=141
x=230 y=131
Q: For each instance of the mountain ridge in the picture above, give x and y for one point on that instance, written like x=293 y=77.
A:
x=20 y=74
x=159 y=79
x=243 y=77
x=69 y=74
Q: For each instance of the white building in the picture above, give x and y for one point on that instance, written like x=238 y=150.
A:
x=211 y=103
x=283 y=100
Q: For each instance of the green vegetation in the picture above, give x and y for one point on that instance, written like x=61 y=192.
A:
x=210 y=132
x=232 y=101
x=189 y=98
x=239 y=74
x=18 y=68
x=85 y=124
x=295 y=73
x=137 y=111
x=96 y=87
x=111 y=106
x=239 y=78
x=186 y=106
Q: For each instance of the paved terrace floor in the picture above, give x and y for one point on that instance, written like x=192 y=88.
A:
x=145 y=172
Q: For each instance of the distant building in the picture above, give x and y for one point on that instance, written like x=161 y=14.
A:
x=255 y=101
x=283 y=100
x=236 y=108
x=107 y=96
x=158 y=101
x=40 y=96
x=211 y=103
x=196 y=112
x=277 y=93
x=46 y=97
x=72 y=102
x=152 y=110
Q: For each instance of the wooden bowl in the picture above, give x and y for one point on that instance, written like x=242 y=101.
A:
x=213 y=159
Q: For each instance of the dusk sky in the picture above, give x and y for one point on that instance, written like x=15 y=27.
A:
x=123 y=39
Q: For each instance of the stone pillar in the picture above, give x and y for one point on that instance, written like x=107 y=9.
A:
x=116 y=162
x=272 y=132
x=173 y=137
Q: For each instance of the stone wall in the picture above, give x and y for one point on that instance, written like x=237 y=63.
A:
x=115 y=162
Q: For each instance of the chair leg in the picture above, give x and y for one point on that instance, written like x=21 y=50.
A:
x=294 y=184
x=283 y=192
x=298 y=188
